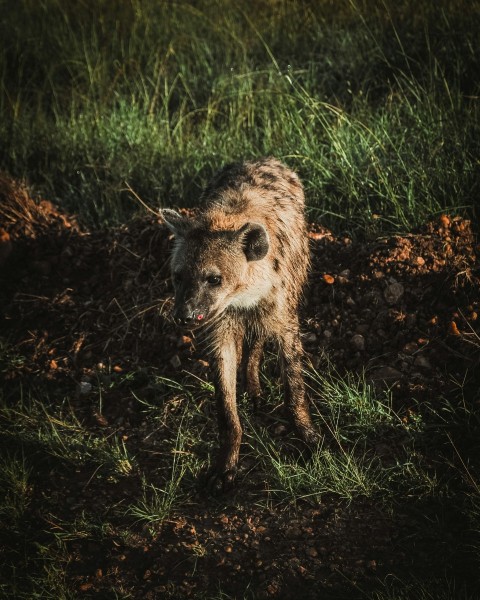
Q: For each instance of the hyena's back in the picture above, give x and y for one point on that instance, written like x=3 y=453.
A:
x=266 y=192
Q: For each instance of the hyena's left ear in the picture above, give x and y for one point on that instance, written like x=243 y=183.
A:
x=177 y=223
x=254 y=239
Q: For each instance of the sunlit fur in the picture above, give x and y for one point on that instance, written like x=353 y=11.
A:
x=250 y=232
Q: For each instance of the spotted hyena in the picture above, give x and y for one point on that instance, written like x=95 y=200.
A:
x=238 y=271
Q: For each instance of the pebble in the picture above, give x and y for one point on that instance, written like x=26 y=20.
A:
x=394 y=293
x=388 y=374
x=422 y=362
x=85 y=387
x=293 y=532
x=310 y=338
x=175 y=361
x=358 y=342
x=410 y=347
x=184 y=341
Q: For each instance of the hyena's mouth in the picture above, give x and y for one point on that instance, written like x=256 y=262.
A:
x=191 y=320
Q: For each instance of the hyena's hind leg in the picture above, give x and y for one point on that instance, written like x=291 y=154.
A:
x=296 y=402
x=250 y=370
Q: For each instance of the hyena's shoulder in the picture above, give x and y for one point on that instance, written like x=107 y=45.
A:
x=263 y=175
x=264 y=191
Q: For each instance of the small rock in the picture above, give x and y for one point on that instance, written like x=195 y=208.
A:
x=422 y=362
x=310 y=338
x=393 y=293
x=85 y=387
x=327 y=333
x=387 y=374
x=345 y=273
x=362 y=328
x=302 y=570
x=175 y=361
x=420 y=261
x=358 y=342
x=311 y=552
x=293 y=532
x=410 y=347
x=183 y=341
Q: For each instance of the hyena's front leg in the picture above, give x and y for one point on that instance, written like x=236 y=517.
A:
x=221 y=476
x=296 y=404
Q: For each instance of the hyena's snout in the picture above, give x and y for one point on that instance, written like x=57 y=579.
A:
x=186 y=314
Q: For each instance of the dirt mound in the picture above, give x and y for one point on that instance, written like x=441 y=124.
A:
x=23 y=217
x=400 y=306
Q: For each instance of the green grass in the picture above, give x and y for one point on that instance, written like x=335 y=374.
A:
x=375 y=104
x=356 y=421
x=59 y=434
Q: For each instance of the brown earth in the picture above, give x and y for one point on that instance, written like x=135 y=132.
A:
x=405 y=308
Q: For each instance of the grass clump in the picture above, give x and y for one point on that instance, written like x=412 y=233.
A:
x=368 y=450
x=59 y=434
x=157 y=503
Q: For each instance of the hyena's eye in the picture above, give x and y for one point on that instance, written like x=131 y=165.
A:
x=214 y=280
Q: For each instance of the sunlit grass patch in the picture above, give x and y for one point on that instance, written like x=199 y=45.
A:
x=349 y=403
x=155 y=503
x=368 y=450
x=57 y=432
x=347 y=474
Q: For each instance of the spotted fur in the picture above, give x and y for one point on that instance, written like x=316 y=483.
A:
x=250 y=236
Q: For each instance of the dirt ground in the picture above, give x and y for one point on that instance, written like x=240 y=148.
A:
x=405 y=308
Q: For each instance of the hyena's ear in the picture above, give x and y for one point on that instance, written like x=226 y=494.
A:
x=254 y=239
x=177 y=223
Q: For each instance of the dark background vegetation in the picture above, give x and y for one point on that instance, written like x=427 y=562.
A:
x=374 y=103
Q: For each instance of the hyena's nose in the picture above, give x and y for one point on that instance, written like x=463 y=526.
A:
x=186 y=316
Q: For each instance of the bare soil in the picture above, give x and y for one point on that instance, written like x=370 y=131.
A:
x=405 y=308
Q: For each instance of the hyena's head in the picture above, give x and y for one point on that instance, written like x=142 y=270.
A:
x=209 y=267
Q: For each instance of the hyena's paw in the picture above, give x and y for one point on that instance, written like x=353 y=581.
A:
x=218 y=482
x=310 y=436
